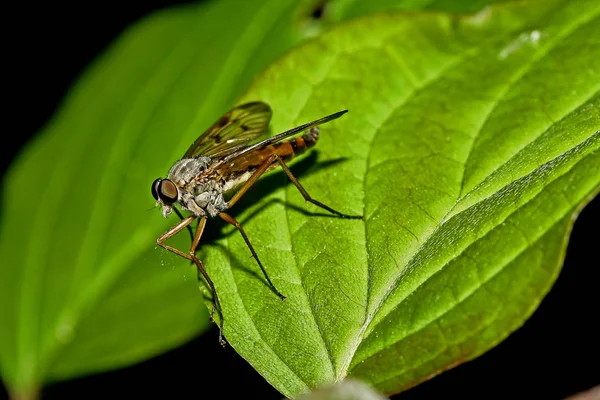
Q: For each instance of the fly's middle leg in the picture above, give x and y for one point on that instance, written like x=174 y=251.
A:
x=228 y=218
x=257 y=174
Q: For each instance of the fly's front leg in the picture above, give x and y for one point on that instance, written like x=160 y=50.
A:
x=192 y=257
x=195 y=243
x=174 y=231
x=181 y=217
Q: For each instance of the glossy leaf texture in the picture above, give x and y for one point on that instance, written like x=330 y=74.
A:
x=83 y=287
x=470 y=145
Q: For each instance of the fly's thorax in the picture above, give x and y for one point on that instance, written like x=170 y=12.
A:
x=186 y=169
x=202 y=197
x=203 y=193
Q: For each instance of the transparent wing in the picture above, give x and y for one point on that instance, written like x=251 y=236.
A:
x=232 y=156
x=232 y=131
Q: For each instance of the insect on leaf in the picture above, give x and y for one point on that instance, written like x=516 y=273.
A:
x=470 y=143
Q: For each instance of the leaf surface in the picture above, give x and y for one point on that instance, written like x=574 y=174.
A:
x=471 y=143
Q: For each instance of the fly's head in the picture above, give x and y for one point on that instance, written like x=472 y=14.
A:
x=165 y=193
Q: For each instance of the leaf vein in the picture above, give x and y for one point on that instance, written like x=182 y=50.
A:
x=482 y=285
x=484 y=235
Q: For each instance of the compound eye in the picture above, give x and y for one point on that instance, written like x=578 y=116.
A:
x=167 y=191
x=155 y=188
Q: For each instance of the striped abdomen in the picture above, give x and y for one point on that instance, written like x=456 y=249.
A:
x=298 y=145
x=286 y=150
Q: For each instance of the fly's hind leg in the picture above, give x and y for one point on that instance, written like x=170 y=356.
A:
x=264 y=167
x=307 y=197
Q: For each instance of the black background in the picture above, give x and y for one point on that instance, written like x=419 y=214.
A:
x=555 y=354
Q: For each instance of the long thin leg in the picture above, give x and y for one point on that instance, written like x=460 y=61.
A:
x=264 y=167
x=192 y=257
x=307 y=196
x=228 y=218
x=181 y=217
x=172 y=232
x=216 y=302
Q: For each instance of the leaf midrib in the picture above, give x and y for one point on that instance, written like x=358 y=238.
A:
x=346 y=363
x=343 y=371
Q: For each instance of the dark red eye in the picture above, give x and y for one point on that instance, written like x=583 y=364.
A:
x=165 y=190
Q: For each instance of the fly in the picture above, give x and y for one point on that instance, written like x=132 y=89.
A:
x=218 y=162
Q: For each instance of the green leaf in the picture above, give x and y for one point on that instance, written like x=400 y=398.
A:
x=470 y=145
x=84 y=289
x=83 y=286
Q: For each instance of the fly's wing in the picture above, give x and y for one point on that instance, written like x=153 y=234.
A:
x=277 y=138
x=232 y=131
